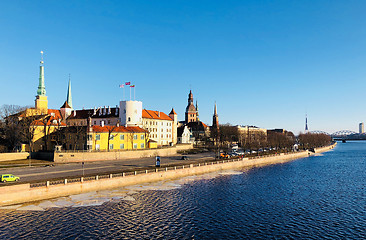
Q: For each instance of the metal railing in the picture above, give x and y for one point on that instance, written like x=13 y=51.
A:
x=151 y=170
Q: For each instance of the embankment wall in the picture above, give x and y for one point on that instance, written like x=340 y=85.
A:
x=16 y=194
x=13 y=156
x=66 y=157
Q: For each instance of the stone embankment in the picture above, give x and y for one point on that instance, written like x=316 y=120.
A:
x=85 y=156
x=13 y=156
x=22 y=193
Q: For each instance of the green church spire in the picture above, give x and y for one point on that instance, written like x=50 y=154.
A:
x=69 y=97
x=41 y=87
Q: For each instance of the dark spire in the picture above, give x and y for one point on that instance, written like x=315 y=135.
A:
x=306 y=123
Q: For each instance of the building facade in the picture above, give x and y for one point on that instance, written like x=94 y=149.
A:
x=361 y=127
x=109 y=138
x=191 y=113
x=162 y=128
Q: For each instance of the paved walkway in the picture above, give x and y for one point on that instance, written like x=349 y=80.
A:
x=72 y=170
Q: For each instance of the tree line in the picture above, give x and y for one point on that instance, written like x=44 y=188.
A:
x=277 y=139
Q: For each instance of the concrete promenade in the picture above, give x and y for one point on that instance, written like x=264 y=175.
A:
x=21 y=193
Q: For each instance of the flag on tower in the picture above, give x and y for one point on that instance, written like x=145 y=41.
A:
x=121 y=86
x=132 y=86
x=128 y=83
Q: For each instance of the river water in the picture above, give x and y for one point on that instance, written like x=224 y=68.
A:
x=320 y=197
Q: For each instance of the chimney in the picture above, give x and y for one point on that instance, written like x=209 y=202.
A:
x=109 y=110
x=100 y=110
x=102 y=123
x=117 y=108
x=74 y=113
x=159 y=113
x=117 y=124
x=95 y=111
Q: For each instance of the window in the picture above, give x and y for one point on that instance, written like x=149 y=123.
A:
x=97 y=137
x=122 y=146
x=135 y=137
x=109 y=121
x=129 y=119
x=95 y=122
x=142 y=145
x=122 y=137
x=142 y=137
x=110 y=146
x=135 y=145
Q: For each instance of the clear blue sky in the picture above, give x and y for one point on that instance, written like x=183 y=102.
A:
x=265 y=63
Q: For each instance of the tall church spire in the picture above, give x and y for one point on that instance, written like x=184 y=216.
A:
x=69 y=97
x=306 y=124
x=41 y=87
x=215 y=119
x=198 y=118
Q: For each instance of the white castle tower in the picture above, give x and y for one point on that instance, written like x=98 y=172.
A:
x=130 y=113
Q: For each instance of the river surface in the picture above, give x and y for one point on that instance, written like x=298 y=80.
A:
x=320 y=197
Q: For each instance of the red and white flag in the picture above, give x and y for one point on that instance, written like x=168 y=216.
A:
x=132 y=86
x=121 y=86
x=128 y=83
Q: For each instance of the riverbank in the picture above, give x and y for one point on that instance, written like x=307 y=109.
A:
x=22 y=193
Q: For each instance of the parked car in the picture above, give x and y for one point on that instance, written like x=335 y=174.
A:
x=184 y=158
x=9 y=178
x=224 y=155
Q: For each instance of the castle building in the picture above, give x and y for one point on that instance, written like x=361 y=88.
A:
x=84 y=128
x=162 y=128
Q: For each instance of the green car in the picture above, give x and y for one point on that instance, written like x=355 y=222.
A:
x=8 y=178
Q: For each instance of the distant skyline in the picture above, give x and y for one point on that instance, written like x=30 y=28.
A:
x=265 y=63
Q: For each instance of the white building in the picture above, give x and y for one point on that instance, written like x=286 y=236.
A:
x=130 y=113
x=184 y=135
x=162 y=128
x=362 y=128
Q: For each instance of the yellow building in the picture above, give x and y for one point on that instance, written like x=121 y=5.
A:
x=103 y=138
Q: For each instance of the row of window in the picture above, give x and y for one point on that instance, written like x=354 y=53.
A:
x=100 y=122
x=121 y=137
x=157 y=123
x=122 y=146
x=162 y=136
x=162 y=130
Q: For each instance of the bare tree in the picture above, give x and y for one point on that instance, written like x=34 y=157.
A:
x=111 y=129
x=10 y=129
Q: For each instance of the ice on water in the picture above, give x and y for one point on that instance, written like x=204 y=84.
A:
x=120 y=194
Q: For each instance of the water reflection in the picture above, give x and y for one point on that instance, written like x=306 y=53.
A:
x=321 y=197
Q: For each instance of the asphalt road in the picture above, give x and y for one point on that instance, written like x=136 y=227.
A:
x=72 y=170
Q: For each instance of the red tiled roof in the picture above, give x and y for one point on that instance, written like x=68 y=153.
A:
x=118 y=129
x=155 y=115
x=56 y=112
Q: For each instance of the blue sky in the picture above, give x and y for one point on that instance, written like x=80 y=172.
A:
x=265 y=63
